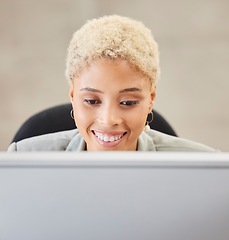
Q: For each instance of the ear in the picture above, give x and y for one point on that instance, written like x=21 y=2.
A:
x=71 y=92
x=153 y=96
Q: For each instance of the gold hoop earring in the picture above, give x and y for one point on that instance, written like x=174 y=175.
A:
x=71 y=114
x=147 y=127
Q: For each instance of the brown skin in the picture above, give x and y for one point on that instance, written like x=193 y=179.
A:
x=111 y=100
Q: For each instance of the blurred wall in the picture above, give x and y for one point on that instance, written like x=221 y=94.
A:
x=193 y=38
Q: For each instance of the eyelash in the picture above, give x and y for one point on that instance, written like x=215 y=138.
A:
x=129 y=103
x=92 y=101
x=97 y=102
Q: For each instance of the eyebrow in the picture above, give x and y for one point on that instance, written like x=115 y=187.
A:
x=130 y=90
x=88 y=89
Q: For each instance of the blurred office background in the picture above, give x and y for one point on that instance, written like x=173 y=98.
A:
x=193 y=38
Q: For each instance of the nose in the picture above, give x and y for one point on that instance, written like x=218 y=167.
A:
x=109 y=116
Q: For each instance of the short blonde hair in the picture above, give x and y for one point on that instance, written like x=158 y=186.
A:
x=114 y=37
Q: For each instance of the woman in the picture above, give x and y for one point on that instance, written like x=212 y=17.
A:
x=112 y=69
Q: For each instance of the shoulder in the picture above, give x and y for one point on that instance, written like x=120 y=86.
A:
x=58 y=141
x=157 y=141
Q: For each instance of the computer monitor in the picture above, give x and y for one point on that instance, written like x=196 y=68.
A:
x=114 y=195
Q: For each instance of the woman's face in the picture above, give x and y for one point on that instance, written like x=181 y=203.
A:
x=111 y=102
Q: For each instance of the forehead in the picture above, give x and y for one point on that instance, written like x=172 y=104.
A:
x=108 y=73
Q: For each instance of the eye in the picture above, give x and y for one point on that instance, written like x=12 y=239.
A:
x=129 y=103
x=92 y=101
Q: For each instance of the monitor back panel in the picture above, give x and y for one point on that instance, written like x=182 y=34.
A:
x=106 y=199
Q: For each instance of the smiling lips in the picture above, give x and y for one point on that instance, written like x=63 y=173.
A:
x=108 y=139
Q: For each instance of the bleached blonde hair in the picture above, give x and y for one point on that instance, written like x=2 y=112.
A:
x=114 y=37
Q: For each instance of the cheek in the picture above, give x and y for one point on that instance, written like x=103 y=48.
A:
x=81 y=113
x=137 y=119
x=83 y=117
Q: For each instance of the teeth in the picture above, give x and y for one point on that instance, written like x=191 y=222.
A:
x=106 y=138
x=100 y=136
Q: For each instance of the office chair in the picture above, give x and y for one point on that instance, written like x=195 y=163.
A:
x=58 y=118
